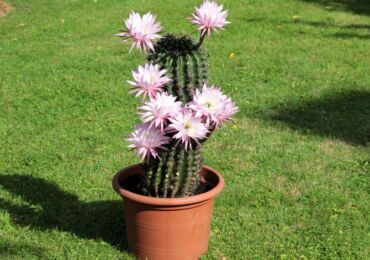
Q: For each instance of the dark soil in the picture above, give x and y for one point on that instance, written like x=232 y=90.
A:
x=132 y=184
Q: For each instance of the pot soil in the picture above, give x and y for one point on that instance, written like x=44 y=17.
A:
x=167 y=228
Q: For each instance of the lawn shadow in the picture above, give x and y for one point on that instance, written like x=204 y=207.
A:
x=344 y=116
x=12 y=250
x=356 y=29
x=328 y=24
x=348 y=31
x=351 y=36
x=361 y=7
x=52 y=208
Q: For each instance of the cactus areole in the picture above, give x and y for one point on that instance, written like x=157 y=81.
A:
x=168 y=197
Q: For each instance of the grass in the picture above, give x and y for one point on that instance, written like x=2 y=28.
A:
x=296 y=162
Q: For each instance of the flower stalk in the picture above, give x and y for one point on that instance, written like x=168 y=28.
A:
x=201 y=40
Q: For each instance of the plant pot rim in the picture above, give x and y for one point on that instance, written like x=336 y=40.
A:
x=166 y=201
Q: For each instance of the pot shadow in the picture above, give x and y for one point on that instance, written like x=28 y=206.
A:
x=344 y=116
x=49 y=207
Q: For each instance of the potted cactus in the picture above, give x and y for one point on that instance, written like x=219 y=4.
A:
x=168 y=198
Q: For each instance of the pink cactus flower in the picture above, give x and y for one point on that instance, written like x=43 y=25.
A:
x=142 y=30
x=148 y=141
x=187 y=127
x=159 y=110
x=226 y=112
x=210 y=16
x=149 y=80
x=211 y=104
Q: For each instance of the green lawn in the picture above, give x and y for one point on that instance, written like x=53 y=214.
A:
x=296 y=162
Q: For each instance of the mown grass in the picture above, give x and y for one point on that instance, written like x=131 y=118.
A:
x=296 y=162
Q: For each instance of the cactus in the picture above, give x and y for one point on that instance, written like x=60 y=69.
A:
x=176 y=173
x=180 y=109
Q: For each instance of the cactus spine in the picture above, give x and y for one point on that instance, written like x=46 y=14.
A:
x=176 y=173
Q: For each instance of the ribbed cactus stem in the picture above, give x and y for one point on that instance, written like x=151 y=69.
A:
x=179 y=175
x=144 y=184
x=195 y=160
x=168 y=171
x=195 y=68
x=203 y=71
x=174 y=76
x=176 y=173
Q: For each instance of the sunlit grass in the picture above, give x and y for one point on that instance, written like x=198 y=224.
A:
x=297 y=184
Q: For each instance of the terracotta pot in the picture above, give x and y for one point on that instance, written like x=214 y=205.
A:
x=166 y=228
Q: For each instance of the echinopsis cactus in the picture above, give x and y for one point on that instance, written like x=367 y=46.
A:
x=180 y=110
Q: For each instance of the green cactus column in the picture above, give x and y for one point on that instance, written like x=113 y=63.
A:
x=176 y=173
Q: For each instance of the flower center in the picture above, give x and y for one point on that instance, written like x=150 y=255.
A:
x=151 y=79
x=147 y=29
x=210 y=105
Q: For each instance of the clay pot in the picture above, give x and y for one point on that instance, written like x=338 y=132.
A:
x=168 y=228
